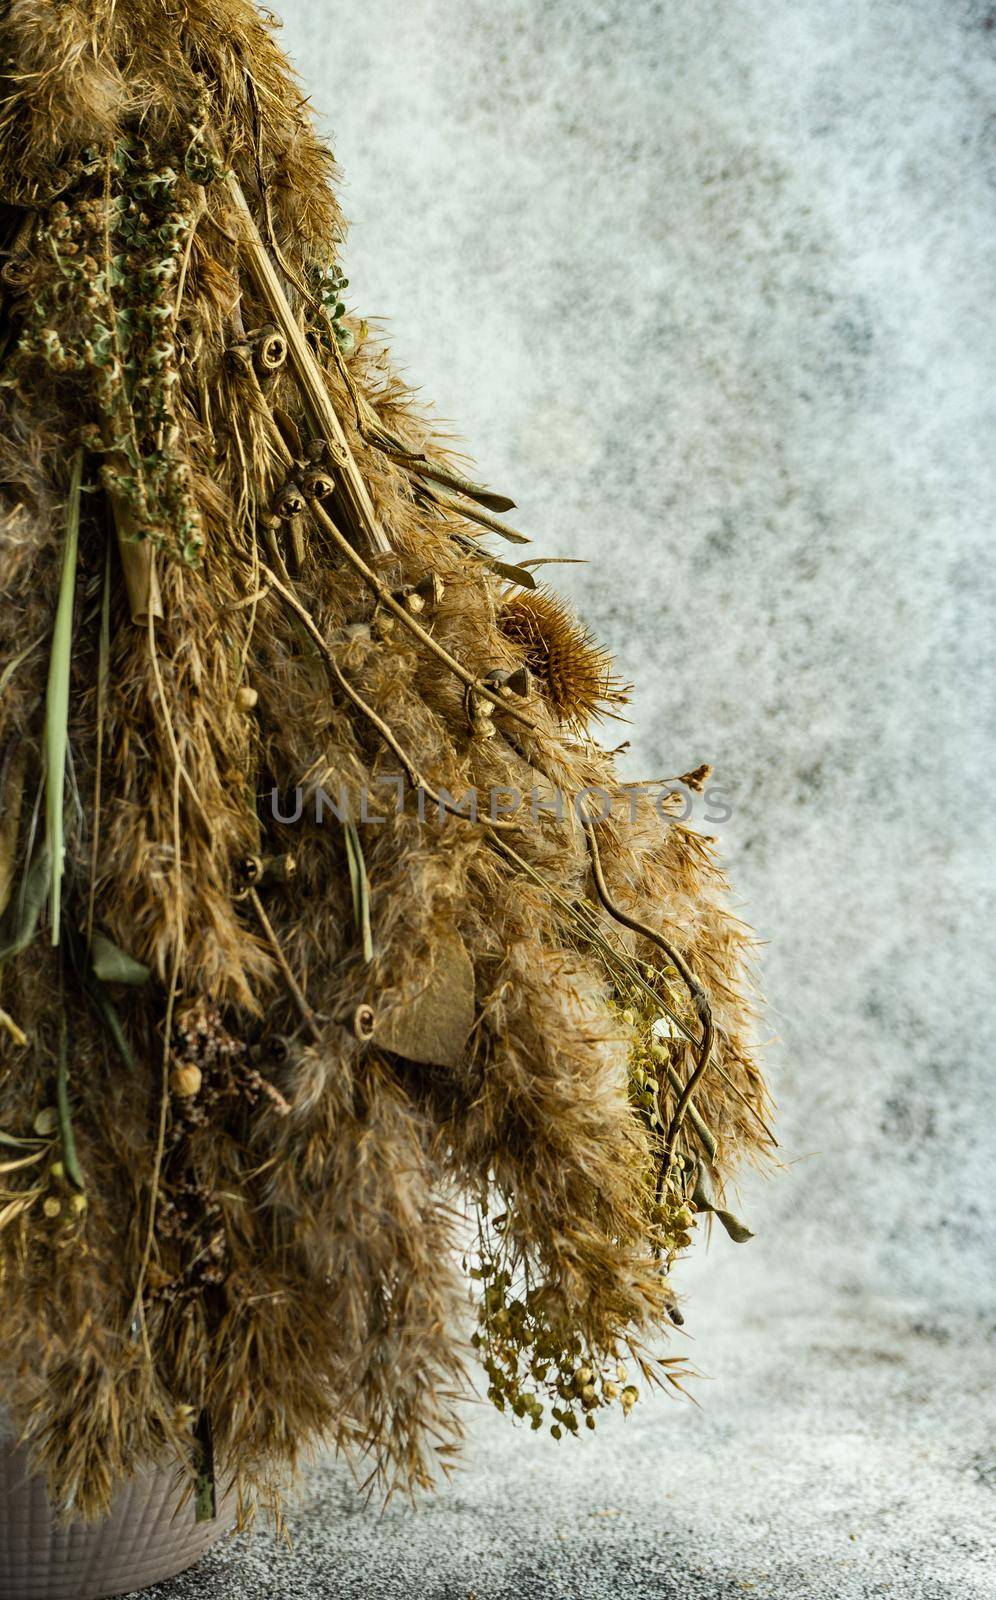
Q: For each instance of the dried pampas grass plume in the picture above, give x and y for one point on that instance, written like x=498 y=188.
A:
x=253 y=1055
x=572 y=672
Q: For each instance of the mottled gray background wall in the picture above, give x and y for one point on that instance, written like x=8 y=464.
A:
x=708 y=286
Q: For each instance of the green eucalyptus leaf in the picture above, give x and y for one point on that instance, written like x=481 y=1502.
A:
x=111 y=964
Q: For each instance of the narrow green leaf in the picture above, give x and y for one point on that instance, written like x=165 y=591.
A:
x=69 y=1157
x=112 y=1022
x=360 y=886
x=57 y=698
x=20 y=923
x=504 y=569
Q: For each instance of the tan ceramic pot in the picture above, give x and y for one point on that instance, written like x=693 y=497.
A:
x=146 y=1538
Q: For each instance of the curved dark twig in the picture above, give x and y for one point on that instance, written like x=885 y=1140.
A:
x=700 y=999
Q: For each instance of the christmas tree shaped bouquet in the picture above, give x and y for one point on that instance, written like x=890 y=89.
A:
x=342 y=977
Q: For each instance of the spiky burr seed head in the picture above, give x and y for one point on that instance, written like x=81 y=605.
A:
x=572 y=673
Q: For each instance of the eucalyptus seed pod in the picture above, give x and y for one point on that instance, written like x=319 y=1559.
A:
x=409 y=597
x=256 y=872
x=364 y=1023
x=248 y=870
x=430 y=589
x=317 y=484
x=269 y=350
x=516 y=684
x=240 y=355
x=290 y=501
x=480 y=713
x=520 y=683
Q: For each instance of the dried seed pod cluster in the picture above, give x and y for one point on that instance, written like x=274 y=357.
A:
x=275 y=980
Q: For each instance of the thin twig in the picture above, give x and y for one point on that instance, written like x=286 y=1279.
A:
x=387 y=600
x=17 y=1034
x=414 y=775
x=103 y=665
x=700 y=999
x=617 y=959
x=284 y=965
x=174 y=983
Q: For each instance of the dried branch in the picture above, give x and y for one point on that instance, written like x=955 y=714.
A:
x=307 y=372
x=700 y=999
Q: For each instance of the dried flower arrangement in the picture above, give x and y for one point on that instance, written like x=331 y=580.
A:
x=255 y=1070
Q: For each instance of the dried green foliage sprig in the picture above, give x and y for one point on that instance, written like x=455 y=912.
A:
x=282 y=1052
x=105 y=287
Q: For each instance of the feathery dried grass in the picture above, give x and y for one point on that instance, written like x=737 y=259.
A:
x=267 y=1238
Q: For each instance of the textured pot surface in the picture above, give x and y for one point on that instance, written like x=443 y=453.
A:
x=145 y=1538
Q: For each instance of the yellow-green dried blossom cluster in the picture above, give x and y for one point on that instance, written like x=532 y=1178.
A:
x=537 y=1368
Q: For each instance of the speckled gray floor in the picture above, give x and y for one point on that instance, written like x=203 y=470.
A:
x=708 y=286
x=843 y=1449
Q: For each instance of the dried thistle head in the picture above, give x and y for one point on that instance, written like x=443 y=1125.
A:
x=572 y=672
